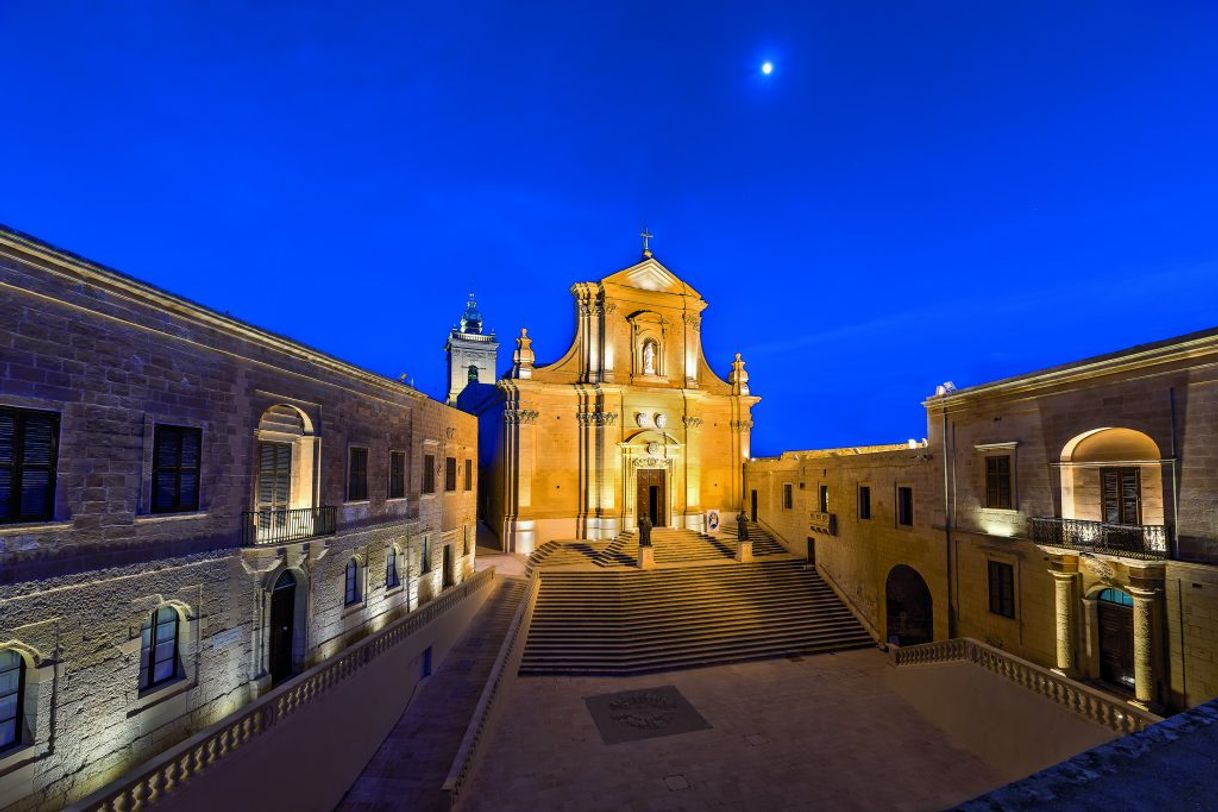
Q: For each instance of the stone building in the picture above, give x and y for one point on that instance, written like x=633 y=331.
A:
x=191 y=510
x=1067 y=516
x=630 y=420
x=473 y=354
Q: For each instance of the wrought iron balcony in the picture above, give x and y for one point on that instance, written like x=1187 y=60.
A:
x=260 y=527
x=1149 y=541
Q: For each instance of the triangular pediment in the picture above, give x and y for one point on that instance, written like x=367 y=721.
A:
x=650 y=274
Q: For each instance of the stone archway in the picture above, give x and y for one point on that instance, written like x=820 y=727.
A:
x=910 y=609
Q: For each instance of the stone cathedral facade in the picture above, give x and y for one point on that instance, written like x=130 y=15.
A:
x=630 y=421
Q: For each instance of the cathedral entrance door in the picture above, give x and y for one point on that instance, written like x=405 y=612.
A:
x=651 y=500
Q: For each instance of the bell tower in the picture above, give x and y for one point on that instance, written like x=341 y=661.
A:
x=473 y=355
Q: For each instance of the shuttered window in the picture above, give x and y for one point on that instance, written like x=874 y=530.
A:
x=397 y=474
x=998 y=482
x=450 y=473
x=1122 y=490
x=788 y=499
x=274 y=476
x=469 y=474
x=429 y=473
x=29 y=451
x=864 y=501
x=357 y=474
x=905 y=506
x=159 y=648
x=1002 y=589
x=12 y=698
x=175 y=469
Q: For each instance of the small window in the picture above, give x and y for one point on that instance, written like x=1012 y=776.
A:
x=1117 y=596
x=1002 y=589
x=998 y=482
x=175 y=469
x=429 y=473
x=465 y=540
x=425 y=564
x=905 y=506
x=788 y=497
x=29 y=451
x=159 y=648
x=450 y=473
x=391 y=568
x=352 y=592
x=397 y=474
x=12 y=699
x=864 y=501
x=357 y=475
x=823 y=498
x=469 y=474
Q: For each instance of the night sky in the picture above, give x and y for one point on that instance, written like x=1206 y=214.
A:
x=918 y=192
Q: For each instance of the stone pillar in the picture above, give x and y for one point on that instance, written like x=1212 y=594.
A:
x=1143 y=646
x=744 y=551
x=1065 y=575
x=647 y=558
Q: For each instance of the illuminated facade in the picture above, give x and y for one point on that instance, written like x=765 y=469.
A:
x=1066 y=516
x=630 y=420
x=192 y=510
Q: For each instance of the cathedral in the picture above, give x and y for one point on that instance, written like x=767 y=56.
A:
x=630 y=421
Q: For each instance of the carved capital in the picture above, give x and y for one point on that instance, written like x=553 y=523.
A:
x=596 y=418
x=742 y=425
x=692 y=422
x=520 y=416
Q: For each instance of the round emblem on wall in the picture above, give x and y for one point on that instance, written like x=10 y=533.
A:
x=643 y=419
x=661 y=421
x=654 y=449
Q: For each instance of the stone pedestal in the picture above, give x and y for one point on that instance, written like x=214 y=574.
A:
x=647 y=558
x=744 y=552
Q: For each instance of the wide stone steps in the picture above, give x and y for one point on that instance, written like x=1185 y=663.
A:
x=628 y=622
x=672 y=546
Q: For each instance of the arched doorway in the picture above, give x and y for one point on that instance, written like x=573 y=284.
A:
x=910 y=613
x=283 y=626
x=1115 y=610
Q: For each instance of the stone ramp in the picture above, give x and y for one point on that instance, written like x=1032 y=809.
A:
x=622 y=622
x=409 y=768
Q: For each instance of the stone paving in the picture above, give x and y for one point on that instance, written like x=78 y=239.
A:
x=824 y=733
x=409 y=769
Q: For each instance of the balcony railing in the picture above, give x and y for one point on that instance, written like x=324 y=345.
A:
x=1149 y=541
x=280 y=526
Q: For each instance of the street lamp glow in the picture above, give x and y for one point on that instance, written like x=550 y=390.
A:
x=767 y=68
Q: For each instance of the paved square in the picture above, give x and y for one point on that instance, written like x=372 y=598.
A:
x=629 y=716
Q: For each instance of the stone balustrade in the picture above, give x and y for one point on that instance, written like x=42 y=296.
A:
x=151 y=782
x=1089 y=703
x=507 y=661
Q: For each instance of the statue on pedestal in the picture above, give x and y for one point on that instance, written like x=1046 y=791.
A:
x=644 y=531
x=742 y=526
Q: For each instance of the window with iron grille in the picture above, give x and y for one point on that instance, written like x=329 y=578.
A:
x=1002 y=589
x=351 y=592
x=788 y=496
x=159 y=648
x=175 y=469
x=905 y=506
x=29 y=451
x=357 y=475
x=864 y=501
x=469 y=474
x=998 y=482
x=397 y=474
x=12 y=699
x=391 y=568
x=450 y=473
x=429 y=473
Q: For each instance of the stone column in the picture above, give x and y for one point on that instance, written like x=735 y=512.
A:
x=1065 y=574
x=1143 y=646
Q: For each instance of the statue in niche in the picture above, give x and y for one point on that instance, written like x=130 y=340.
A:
x=649 y=357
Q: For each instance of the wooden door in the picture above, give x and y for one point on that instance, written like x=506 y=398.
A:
x=1122 y=495
x=651 y=497
x=753 y=506
x=449 y=579
x=283 y=627
x=1116 y=643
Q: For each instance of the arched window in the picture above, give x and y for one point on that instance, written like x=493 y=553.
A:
x=12 y=699
x=391 y=568
x=159 y=648
x=472 y=375
x=1116 y=596
x=352 y=591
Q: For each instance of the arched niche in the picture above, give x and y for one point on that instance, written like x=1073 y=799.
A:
x=648 y=335
x=1113 y=475
x=287 y=459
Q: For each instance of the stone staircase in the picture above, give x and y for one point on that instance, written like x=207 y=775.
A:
x=672 y=546
x=621 y=622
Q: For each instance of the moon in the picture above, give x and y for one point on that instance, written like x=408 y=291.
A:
x=767 y=68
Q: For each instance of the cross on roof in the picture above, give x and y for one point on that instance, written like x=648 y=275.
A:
x=647 y=237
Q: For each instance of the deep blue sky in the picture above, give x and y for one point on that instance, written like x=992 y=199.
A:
x=919 y=192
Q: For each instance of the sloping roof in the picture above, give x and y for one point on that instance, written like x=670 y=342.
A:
x=650 y=274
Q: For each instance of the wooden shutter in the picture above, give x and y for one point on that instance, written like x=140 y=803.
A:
x=28 y=454
x=274 y=476
x=357 y=475
x=1121 y=491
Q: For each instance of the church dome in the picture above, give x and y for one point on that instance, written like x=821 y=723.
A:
x=471 y=319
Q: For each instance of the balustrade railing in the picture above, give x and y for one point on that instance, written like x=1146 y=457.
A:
x=152 y=781
x=1146 y=541
x=278 y=526
x=1096 y=706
